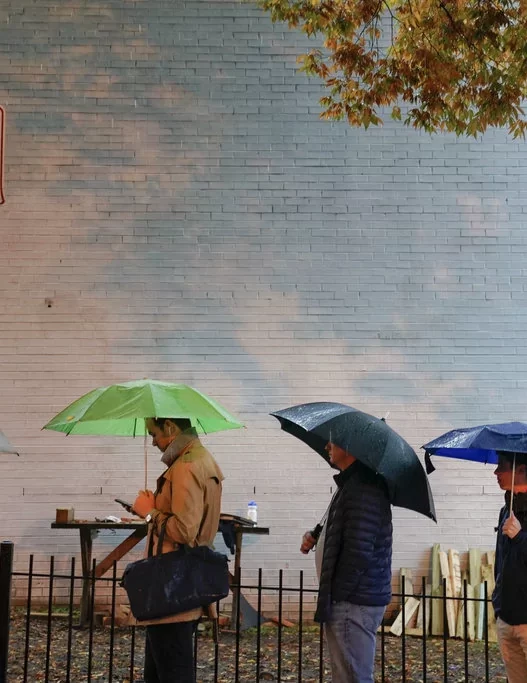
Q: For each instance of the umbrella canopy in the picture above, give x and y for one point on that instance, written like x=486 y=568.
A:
x=479 y=444
x=121 y=409
x=371 y=441
x=5 y=446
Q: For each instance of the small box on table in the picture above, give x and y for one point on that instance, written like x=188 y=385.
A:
x=64 y=515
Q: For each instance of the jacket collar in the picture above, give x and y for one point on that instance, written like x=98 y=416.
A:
x=178 y=446
x=342 y=477
x=173 y=452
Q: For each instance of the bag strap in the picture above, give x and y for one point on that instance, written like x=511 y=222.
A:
x=160 y=539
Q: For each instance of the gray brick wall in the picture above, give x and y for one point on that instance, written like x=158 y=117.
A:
x=172 y=191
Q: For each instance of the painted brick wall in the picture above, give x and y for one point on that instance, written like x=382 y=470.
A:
x=175 y=209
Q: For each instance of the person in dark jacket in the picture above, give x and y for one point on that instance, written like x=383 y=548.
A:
x=510 y=593
x=354 y=557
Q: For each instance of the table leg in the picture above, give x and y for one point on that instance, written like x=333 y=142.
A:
x=237 y=576
x=87 y=536
x=249 y=617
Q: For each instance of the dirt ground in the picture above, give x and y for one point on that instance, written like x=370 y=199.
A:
x=233 y=663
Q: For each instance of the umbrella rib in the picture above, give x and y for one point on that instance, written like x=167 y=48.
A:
x=149 y=386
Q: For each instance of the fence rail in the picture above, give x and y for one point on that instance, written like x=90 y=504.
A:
x=52 y=647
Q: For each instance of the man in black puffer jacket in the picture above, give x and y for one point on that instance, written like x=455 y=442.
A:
x=354 y=553
x=510 y=594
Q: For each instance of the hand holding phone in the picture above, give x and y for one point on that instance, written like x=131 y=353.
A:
x=127 y=506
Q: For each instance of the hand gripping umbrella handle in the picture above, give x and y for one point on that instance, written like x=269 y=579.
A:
x=316 y=531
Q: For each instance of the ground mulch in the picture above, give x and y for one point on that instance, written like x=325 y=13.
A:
x=89 y=659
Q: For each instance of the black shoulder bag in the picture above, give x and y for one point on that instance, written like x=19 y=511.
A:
x=165 y=584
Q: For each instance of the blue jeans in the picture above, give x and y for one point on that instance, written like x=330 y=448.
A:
x=351 y=635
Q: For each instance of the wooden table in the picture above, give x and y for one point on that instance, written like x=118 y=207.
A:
x=88 y=530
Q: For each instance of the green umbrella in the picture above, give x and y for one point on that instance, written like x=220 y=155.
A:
x=121 y=409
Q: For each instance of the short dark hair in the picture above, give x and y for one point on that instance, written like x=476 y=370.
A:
x=521 y=458
x=182 y=422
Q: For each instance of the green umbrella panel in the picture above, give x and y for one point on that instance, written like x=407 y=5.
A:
x=121 y=410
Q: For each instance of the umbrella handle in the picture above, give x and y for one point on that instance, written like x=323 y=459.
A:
x=512 y=485
x=316 y=531
x=146 y=461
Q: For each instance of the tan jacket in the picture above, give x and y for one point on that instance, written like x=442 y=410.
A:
x=188 y=497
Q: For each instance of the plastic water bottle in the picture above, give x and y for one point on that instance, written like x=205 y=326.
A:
x=252 y=511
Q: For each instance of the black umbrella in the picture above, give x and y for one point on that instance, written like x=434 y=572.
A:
x=371 y=441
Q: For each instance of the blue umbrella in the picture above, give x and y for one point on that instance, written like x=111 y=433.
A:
x=479 y=444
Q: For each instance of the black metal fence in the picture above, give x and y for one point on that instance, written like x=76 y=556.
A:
x=53 y=647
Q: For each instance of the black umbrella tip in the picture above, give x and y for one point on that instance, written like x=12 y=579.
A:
x=428 y=463
x=432 y=515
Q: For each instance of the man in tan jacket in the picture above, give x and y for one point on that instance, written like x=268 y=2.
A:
x=188 y=500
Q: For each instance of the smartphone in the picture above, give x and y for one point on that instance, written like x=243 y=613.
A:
x=127 y=506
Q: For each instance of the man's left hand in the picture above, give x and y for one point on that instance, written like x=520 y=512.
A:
x=144 y=503
x=512 y=527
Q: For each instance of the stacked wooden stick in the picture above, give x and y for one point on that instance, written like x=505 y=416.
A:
x=458 y=596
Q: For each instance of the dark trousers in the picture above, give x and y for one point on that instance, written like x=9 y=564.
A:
x=169 y=653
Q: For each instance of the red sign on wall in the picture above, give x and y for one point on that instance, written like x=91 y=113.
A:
x=2 y=147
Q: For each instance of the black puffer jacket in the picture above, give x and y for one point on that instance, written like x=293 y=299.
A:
x=357 y=556
x=510 y=594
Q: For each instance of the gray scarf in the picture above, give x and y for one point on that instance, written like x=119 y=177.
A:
x=180 y=442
